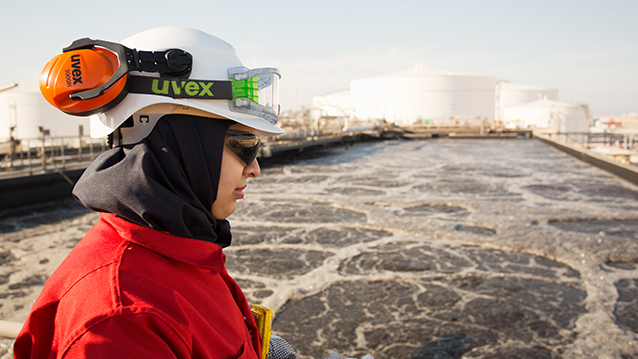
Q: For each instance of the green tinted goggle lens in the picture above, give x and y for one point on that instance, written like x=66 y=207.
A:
x=244 y=144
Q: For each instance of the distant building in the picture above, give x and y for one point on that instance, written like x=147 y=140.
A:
x=553 y=115
x=416 y=96
x=333 y=105
x=425 y=96
x=24 y=114
x=626 y=121
x=509 y=94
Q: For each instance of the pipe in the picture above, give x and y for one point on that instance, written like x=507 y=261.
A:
x=9 y=329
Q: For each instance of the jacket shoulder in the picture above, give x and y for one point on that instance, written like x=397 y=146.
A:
x=80 y=289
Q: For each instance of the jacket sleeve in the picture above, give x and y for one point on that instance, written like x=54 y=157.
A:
x=129 y=336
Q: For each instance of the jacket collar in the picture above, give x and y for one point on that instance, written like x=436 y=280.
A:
x=203 y=254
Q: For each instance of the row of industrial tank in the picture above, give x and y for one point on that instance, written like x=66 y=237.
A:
x=425 y=96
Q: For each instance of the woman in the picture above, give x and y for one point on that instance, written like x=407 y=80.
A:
x=148 y=280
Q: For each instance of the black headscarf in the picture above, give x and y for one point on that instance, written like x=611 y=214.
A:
x=167 y=182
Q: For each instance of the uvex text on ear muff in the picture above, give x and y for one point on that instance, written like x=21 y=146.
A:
x=92 y=76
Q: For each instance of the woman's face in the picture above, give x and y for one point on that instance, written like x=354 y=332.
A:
x=232 y=179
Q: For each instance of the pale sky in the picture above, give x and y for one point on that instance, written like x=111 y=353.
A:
x=586 y=49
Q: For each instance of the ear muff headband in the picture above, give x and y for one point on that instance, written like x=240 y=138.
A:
x=92 y=76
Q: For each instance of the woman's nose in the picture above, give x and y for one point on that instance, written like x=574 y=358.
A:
x=253 y=169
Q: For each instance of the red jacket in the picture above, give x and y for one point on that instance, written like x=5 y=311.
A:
x=127 y=291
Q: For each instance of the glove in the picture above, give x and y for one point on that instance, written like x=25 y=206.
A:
x=334 y=355
x=280 y=349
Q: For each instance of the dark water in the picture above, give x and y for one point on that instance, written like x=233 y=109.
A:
x=412 y=249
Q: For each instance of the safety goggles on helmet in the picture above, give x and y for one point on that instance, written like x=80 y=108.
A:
x=244 y=144
x=93 y=76
x=256 y=92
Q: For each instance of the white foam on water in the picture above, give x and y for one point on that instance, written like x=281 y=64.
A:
x=514 y=189
x=438 y=198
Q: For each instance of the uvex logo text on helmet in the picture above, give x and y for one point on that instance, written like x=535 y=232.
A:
x=75 y=72
x=191 y=88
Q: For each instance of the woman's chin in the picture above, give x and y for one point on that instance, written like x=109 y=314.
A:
x=223 y=213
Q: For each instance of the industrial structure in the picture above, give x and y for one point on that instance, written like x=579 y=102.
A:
x=548 y=114
x=509 y=95
x=27 y=115
x=417 y=96
x=429 y=97
x=423 y=95
x=625 y=121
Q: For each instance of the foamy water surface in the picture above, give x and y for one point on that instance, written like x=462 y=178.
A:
x=413 y=249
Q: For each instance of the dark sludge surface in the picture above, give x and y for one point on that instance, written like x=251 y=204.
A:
x=613 y=228
x=504 y=318
x=626 y=309
x=29 y=216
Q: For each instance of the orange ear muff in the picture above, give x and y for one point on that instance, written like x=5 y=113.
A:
x=80 y=70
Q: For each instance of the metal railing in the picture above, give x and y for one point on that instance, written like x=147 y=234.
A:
x=48 y=153
x=626 y=140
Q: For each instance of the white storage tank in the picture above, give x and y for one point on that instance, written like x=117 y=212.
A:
x=26 y=112
x=509 y=94
x=548 y=114
x=336 y=104
x=424 y=96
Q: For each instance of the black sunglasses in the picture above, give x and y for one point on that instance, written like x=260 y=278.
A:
x=244 y=144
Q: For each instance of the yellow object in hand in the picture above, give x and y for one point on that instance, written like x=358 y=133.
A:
x=263 y=319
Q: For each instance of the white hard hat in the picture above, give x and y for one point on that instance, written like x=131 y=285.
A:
x=213 y=60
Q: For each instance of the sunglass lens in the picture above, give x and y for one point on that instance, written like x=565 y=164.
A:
x=245 y=147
